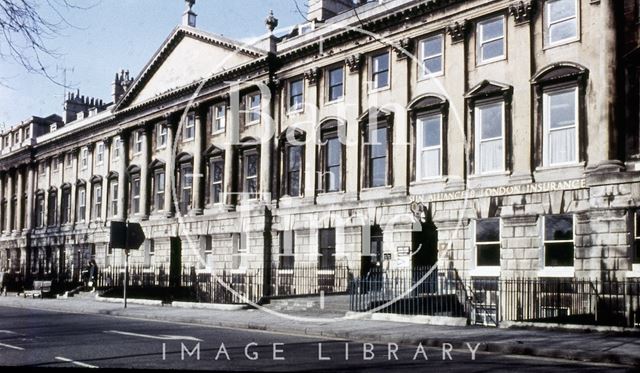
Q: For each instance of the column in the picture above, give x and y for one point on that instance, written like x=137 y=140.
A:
x=400 y=148
x=230 y=152
x=89 y=185
x=266 y=148
x=74 y=186
x=10 y=192
x=2 y=195
x=105 y=179
x=122 y=176
x=606 y=96
x=169 y=173
x=29 y=215
x=20 y=201
x=198 y=170
x=145 y=184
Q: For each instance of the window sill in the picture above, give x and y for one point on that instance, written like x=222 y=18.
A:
x=560 y=166
x=424 y=78
x=485 y=271
x=431 y=180
x=335 y=102
x=489 y=174
x=252 y=123
x=295 y=112
x=556 y=272
x=378 y=90
x=560 y=43
x=218 y=132
x=162 y=147
x=492 y=60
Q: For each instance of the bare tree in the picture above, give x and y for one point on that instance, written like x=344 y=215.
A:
x=27 y=26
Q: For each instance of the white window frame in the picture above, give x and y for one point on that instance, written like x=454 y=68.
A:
x=557 y=271
x=485 y=271
x=97 y=202
x=547 y=122
x=114 y=185
x=137 y=145
x=337 y=99
x=84 y=159
x=117 y=146
x=53 y=127
x=161 y=139
x=246 y=173
x=218 y=182
x=135 y=197
x=373 y=73
x=478 y=132
x=420 y=149
x=219 y=118
x=547 y=24
x=481 y=42
x=290 y=108
x=159 y=189
x=100 y=154
x=82 y=204
x=253 y=109
x=189 y=127
x=424 y=73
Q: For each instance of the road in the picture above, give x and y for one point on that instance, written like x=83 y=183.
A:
x=37 y=338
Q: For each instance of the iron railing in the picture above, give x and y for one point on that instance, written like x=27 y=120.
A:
x=488 y=301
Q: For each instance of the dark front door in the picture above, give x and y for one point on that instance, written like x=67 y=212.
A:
x=175 y=266
x=372 y=262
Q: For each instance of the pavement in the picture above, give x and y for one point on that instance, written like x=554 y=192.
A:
x=600 y=347
x=36 y=338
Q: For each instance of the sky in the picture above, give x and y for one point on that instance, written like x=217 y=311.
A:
x=111 y=35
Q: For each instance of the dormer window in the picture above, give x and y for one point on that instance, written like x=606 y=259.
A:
x=53 y=127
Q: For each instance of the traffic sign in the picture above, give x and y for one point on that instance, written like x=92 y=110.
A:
x=135 y=236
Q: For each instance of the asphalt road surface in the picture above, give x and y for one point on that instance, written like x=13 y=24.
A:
x=36 y=338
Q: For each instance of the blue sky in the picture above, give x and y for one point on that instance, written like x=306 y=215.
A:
x=117 y=34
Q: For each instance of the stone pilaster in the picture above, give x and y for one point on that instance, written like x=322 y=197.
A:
x=20 y=200
x=30 y=190
x=145 y=182
x=169 y=174
x=122 y=176
x=198 y=169
x=10 y=191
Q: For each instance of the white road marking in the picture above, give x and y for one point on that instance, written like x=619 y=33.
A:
x=7 y=332
x=78 y=363
x=160 y=337
x=10 y=346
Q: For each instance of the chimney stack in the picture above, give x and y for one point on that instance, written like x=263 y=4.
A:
x=120 y=85
x=78 y=107
x=189 y=17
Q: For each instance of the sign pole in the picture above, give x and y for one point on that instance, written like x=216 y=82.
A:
x=126 y=276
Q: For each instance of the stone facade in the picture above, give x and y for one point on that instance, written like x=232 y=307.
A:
x=167 y=121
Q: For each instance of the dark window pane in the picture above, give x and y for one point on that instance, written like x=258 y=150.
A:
x=488 y=255
x=252 y=165
x=334 y=152
x=558 y=254
x=488 y=230
x=295 y=156
x=294 y=183
x=218 y=171
x=378 y=172
x=558 y=227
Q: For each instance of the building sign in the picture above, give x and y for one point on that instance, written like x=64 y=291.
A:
x=403 y=250
x=550 y=186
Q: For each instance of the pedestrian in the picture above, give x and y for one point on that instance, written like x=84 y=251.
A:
x=93 y=275
x=3 y=290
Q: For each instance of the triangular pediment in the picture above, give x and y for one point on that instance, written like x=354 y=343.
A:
x=187 y=56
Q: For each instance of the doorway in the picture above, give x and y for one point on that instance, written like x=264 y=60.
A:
x=175 y=265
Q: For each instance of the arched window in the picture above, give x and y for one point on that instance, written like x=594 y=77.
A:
x=185 y=182
x=292 y=162
x=376 y=130
x=560 y=133
x=65 y=204
x=97 y=197
x=490 y=122
x=113 y=194
x=249 y=156
x=331 y=156
x=40 y=209
x=135 y=188
x=215 y=172
x=52 y=207
x=158 y=185
x=429 y=137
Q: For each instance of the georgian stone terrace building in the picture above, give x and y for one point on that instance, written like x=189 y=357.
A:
x=499 y=138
